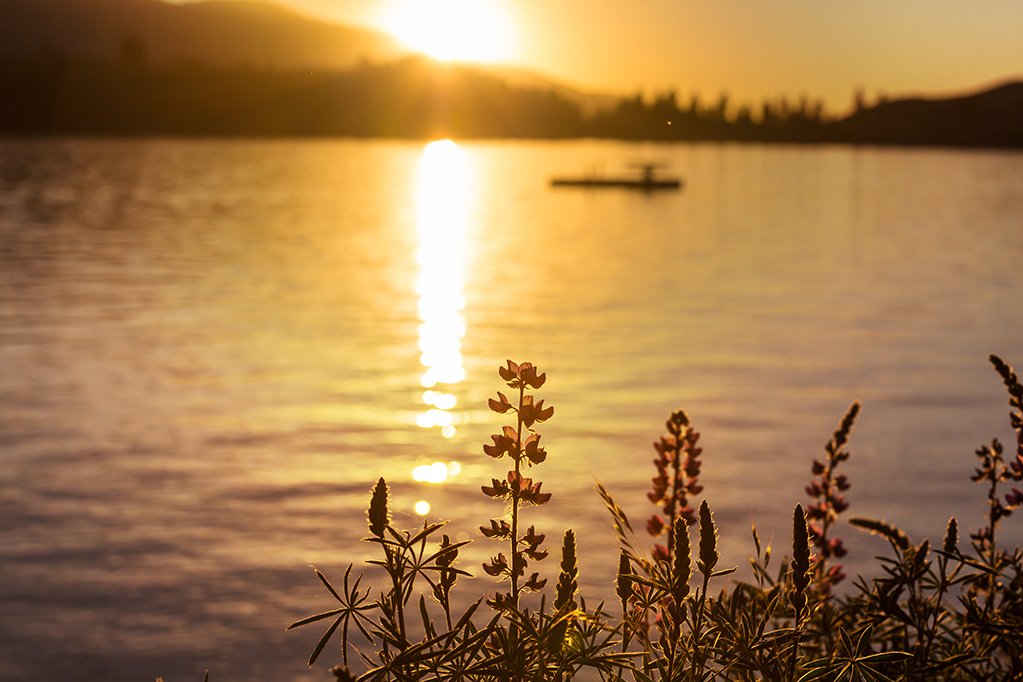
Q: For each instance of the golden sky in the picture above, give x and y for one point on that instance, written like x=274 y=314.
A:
x=749 y=48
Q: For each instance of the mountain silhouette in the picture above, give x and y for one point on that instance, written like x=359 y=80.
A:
x=142 y=67
x=216 y=33
x=990 y=117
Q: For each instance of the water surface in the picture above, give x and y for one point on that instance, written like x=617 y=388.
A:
x=211 y=349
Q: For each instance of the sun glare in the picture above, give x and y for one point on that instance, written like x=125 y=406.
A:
x=442 y=204
x=452 y=30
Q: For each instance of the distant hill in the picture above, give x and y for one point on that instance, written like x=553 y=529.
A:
x=217 y=33
x=238 y=67
x=992 y=117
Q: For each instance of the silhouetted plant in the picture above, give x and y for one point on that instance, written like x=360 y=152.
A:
x=931 y=613
x=516 y=643
x=516 y=488
x=678 y=471
x=826 y=490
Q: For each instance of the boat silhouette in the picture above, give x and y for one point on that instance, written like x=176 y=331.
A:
x=646 y=180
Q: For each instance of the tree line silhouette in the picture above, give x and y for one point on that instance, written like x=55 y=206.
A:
x=414 y=97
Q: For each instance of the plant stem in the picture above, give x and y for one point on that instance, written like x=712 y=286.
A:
x=515 y=500
x=697 y=626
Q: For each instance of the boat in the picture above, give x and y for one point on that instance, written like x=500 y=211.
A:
x=646 y=181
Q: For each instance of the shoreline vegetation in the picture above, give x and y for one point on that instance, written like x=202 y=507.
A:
x=53 y=93
x=950 y=610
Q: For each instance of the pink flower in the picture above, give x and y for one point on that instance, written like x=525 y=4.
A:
x=655 y=525
x=660 y=553
x=496 y=566
x=498 y=489
x=501 y=405
x=497 y=529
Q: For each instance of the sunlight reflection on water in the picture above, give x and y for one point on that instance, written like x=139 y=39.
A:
x=442 y=215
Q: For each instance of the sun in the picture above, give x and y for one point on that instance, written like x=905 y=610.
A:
x=452 y=30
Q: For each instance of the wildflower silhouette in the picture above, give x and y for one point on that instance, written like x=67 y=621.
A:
x=826 y=490
x=947 y=613
x=521 y=444
x=678 y=471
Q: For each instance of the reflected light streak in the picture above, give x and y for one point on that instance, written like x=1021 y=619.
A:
x=442 y=217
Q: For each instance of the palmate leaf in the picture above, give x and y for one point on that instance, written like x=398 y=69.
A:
x=352 y=605
x=852 y=668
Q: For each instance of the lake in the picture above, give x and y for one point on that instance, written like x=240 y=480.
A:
x=212 y=349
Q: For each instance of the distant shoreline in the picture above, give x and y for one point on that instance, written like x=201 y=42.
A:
x=415 y=99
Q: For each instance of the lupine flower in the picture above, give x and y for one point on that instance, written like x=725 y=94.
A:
x=708 y=540
x=504 y=443
x=568 y=583
x=527 y=373
x=623 y=585
x=534 y=412
x=510 y=372
x=497 y=529
x=378 y=514
x=824 y=488
x=497 y=565
x=681 y=569
x=522 y=375
x=660 y=552
x=1017 y=468
x=532 y=450
x=678 y=470
x=499 y=602
x=342 y=674
x=800 y=558
x=446 y=577
x=532 y=539
x=655 y=525
x=951 y=536
x=501 y=405
x=532 y=542
x=522 y=445
x=535 y=583
x=533 y=495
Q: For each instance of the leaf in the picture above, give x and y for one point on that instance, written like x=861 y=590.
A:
x=313 y=619
x=947 y=663
x=875 y=526
x=885 y=657
x=814 y=674
x=871 y=675
x=425 y=615
x=969 y=562
x=326 y=583
x=323 y=641
x=433 y=527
